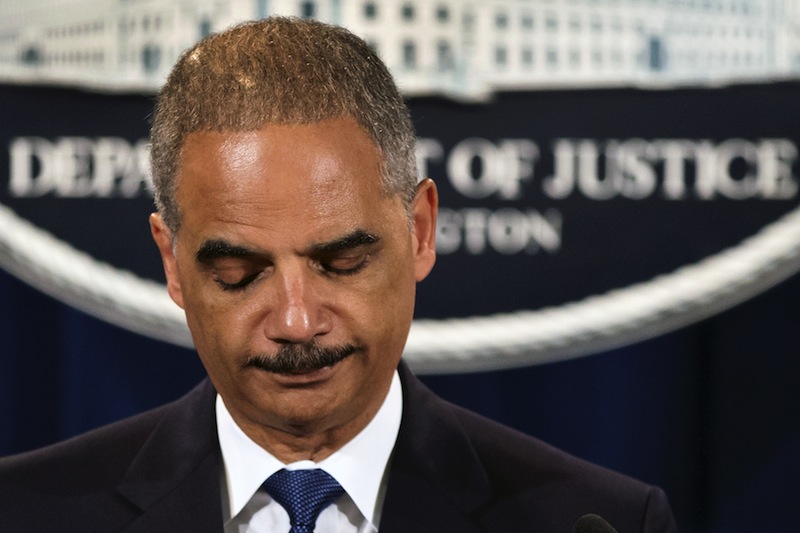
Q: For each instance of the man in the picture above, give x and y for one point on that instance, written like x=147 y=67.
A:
x=293 y=232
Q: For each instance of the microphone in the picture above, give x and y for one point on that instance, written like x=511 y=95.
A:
x=592 y=523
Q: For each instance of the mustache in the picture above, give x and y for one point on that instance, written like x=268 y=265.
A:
x=301 y=358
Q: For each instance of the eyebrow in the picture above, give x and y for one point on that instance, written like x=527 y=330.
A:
x=214 y=249
x=348 y=242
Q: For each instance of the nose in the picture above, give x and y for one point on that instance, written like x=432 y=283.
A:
x=296 y=314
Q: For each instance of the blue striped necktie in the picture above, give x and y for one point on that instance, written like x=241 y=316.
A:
x=304 y=494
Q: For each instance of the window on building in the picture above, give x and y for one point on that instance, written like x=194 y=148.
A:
x=409 y=55
x=501 y=20
x=500 y=56
x=552 y=57
x=151 y=58
x=372 y=43
x=370 y=10
x=551 y=21
x=32 y=56
x=261 y=9
x=205 y=28
x=408 y=12
x=468 y=21
x=444 y=56
x=308 y=10
x=526 y=20
x=655 y=53
x=527 y=56
x=442 y=13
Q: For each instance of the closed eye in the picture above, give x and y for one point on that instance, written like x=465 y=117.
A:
x=235 y=285
x=347 y=255
x=235 y=274
x=346 y=265
x=232 y=267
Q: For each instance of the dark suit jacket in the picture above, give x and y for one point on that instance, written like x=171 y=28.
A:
x=451 y=471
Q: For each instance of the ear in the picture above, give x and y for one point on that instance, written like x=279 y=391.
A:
x=424 y=210
x=163 y=238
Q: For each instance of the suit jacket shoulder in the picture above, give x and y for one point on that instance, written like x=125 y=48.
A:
x=453 y=470
x=158 y=467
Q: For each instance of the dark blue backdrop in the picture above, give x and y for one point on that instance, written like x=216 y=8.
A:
x=711 y=412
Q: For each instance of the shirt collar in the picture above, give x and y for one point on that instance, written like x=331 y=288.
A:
x=358 y=466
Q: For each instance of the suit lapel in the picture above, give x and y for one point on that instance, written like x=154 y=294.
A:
x=436 y=482
x=175 y=479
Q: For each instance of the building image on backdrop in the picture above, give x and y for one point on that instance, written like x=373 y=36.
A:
x=464 y=48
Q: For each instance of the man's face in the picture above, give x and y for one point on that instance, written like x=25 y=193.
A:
x=286 y=242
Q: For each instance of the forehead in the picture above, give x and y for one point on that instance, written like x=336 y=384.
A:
x=334 y=145
x=291 y=175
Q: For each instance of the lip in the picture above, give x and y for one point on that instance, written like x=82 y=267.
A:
x=306 y=378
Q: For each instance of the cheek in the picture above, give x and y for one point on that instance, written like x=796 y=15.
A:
x=391 y=305
x=215 y=324
x=227 y=322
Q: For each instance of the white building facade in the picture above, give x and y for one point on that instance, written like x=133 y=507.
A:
x=465 y=48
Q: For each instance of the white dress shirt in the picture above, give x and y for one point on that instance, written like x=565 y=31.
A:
x=359 y=467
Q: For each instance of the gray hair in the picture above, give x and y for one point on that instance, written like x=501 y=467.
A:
x=279 y=71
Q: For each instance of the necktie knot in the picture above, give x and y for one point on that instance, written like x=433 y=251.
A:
x=304 y=494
